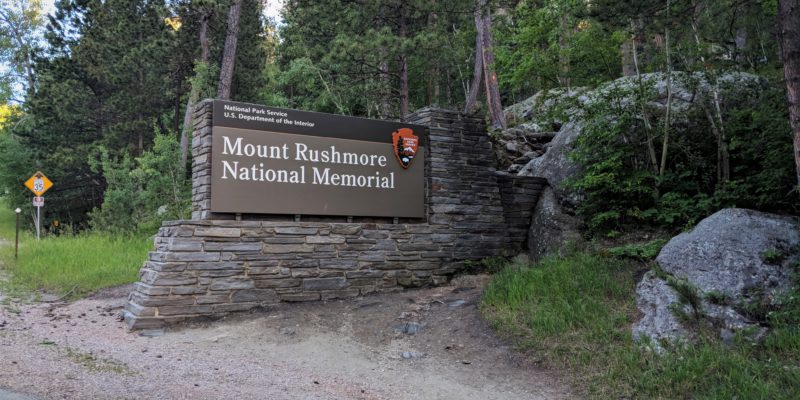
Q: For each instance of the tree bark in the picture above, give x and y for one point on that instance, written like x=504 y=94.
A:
x=489 y=74
x=477 y=74
x=789 y=32
x=403 y=68
x=229 y=56
x=195 y=91
x=563 y=54
x=665 y=142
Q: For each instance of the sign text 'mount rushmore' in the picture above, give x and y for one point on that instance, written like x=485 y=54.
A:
x=279 y=161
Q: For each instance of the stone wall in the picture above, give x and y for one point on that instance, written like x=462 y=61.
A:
x=221 y=263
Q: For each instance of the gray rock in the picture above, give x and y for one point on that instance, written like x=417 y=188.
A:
x=152 y=332
x=324 y=283
x=654 y=298
x=743 y=255
x=551 y=227
x=412 y=354
x=456 y=303
x=555 y=165
x=409 y=328
x=737 y=252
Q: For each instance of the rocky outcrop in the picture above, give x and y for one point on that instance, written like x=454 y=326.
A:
x=555 y=165
x=732 y=259
x=551 y=228
x=656 y=299
x=547 y=125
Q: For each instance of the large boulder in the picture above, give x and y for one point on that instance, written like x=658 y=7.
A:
x=551 y=227
x=733 y=258
x=736 y=252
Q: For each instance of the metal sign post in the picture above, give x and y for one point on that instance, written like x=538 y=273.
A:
x=38 y=202
x=38 y=184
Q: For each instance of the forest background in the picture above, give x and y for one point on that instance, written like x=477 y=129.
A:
x=96 y=93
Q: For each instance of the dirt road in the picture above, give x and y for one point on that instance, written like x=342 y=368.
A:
x=420 y=344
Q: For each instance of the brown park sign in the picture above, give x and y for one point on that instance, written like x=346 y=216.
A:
x=267 y=160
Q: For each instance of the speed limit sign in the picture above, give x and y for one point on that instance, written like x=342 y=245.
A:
x=38 y=184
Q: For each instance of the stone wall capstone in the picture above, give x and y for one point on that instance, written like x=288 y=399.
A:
x=216 y=264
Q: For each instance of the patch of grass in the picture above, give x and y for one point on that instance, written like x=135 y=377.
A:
x=488 y=265
x=72 y=265
x=688 y=295
x=639 y=251
x=569 y=310
x=575 y=314
x=76 y=265
x=773 y=256
x=97 y=364
x=717 y=297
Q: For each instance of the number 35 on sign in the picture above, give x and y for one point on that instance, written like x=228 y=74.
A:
x=38 y=183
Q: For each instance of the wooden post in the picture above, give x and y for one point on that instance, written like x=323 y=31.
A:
x=16 y=239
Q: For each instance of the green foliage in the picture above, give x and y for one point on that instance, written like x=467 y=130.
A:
x=17 y=167
x=639 y=251
x=623 y=188
x=349 y=60
x=142 y=193
x=552 y=43
x=574 y=313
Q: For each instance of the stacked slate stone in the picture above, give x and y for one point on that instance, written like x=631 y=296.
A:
x=214 y=264
x=201 y=161
x=519 y=197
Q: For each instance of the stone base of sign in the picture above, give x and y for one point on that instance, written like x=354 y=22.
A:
x=216 y=263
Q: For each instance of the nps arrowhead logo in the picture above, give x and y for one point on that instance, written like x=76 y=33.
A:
x=405 y=146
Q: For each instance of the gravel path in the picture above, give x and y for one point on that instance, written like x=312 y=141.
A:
x=421 y=344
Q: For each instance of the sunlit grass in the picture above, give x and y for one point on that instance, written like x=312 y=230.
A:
x=67 y=264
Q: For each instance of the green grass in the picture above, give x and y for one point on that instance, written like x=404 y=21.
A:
x=70 y=265
x=575 y=313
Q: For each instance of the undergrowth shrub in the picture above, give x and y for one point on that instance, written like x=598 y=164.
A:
x=144 y=191
x=623 y=187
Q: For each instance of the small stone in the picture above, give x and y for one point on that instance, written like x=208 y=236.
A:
x=151 y=333
x=409 y=328
x=412 y=354
x=456 y=303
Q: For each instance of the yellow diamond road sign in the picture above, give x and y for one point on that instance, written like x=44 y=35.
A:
x=38 y=183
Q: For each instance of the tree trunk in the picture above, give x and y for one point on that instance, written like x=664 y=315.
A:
x=229 y=56
x=718 y=125
x=563 y=53
x=195 y=91
x=628 y=65
x=665 y=142
x=477 y=74
x=489 y=74
x=789 y=32
x=403 y=69
x=648 y=128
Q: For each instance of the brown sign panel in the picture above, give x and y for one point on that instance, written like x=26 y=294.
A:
x=271 y=160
